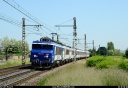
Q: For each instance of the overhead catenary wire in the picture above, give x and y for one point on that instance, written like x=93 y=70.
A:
x=12 y=21
x=61 y=31
x=21 y=10
x=32 y=32
x=65 y=21
x=24 y=12
x=27 y=14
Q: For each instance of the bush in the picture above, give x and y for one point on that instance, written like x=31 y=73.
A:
x=91 y=62
x=102 y=62
x=101 y=65
x=123 y=65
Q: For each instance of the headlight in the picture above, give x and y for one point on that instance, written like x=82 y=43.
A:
x=46 y=56
x=35 y=56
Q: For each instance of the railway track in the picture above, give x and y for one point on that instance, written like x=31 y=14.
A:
x=15 y=75
x=10 y=72
x=14 y=79
x=6 y=70
x=21 y=74
x=18 y=77
x=27 y=78
x=18 y=74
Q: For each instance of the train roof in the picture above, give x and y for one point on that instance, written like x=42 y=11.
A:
x=46 y=40
x=59 y=45
x=49 y=43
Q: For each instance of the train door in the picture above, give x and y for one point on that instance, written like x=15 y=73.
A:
x=70 y=53
x=54 y=54
x=62 y=53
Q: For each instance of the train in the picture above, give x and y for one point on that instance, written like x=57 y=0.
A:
x=47 y=53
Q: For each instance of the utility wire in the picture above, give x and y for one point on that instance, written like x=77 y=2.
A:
x=23 y=11
x=12 y=21
x=65 y=21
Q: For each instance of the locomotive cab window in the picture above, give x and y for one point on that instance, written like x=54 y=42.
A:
x=42 y=46
x=47 y=47
x=36 y=46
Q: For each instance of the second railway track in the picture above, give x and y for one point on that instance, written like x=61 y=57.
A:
x=8 y=69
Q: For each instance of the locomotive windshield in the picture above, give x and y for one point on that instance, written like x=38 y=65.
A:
x=42 y=46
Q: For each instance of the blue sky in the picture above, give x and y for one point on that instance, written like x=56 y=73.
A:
x=101 y=20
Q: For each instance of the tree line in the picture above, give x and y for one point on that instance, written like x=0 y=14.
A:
x=109 y=51
x=12 y=46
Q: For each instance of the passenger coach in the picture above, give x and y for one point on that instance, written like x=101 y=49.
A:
x=48 y=53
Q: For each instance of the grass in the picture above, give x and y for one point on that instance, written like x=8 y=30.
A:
x=79 y=74
x=115 y=77
x=10 y=63
x=112 y=77
x=73 y=75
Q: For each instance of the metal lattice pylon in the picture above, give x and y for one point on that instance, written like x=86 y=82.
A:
x=75 y=38
x=23 y=41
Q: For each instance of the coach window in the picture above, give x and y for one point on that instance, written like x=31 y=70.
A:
x=72 y=52
x=58 y=50
x=67 y=51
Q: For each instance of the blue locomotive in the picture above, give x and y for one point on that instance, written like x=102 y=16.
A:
x=49 y=53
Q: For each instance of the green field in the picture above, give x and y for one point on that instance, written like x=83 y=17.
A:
x=80 y=74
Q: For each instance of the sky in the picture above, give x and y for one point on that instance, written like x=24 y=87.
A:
x=101 y=20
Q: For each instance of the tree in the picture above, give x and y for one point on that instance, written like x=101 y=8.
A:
x=117 y=52
x=26 y=47
x=126 y=53
x=110 y=48
x=92 y=52
x=13 y=44
x=5 y=43
x=110 y=52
